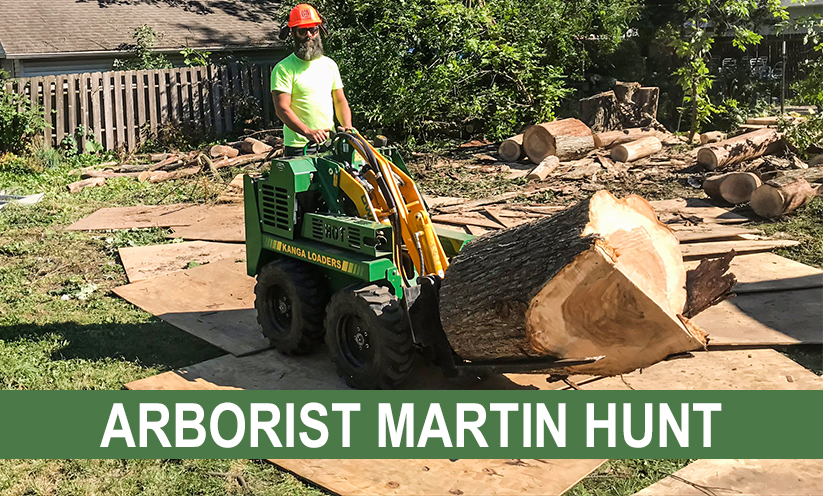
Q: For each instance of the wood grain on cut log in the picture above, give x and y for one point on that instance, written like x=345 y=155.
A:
x=511 y=150
x=540 y=141
x=604 y=277
x=733 y=187
x=600 y=112
x=738 y=149
x=781 y=196
x=546 y=167
x=629 y=152
x=614 y=138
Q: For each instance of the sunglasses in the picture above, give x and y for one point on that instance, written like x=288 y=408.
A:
x=306 y=31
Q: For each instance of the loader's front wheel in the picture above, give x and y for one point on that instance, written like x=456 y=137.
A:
x=368 y=337
x=290 y=303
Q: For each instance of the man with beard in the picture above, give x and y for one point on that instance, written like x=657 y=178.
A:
x=306 y=86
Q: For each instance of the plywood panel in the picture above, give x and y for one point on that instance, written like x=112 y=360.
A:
x=693 y=210
x=777 y=318
x=224 y=224
x=144 y=216
x=758 y=369
x=694 y=251
x=144 y=262
x=709 y=232
x=214 y=302
x=761 y=272
x=743 y=478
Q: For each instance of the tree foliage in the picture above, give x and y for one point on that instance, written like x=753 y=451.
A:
x=421 y=67
x=20 y=119
x=142 y=52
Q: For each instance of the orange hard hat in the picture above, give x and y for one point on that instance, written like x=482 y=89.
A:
x=304 y=15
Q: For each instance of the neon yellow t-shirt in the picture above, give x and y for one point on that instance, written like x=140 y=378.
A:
x=310 y=85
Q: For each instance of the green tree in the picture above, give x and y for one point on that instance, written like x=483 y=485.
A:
x=417 y=67
x=700 y=22
x=20 y=119
x=142 y=52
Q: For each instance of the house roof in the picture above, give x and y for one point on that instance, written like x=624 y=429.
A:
x=55 y=27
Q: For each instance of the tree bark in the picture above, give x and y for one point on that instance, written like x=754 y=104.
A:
x=734 y=187
x=781 y=196
x=511 y=150
x=610 y=139
x=712 y=137
x=629 y=152
x=540 y=141
x=738 y=149
x=572 y=147
x=604 y=277
x=600 y=112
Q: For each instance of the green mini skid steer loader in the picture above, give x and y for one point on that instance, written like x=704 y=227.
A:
x=343 y=248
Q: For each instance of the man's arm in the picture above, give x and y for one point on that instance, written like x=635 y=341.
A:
x=341 y=108
x=282 y=107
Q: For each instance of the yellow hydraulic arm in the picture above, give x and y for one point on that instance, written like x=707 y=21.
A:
x=391 y=197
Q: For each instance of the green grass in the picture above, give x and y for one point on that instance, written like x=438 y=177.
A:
x=625 y=477
x=806 y=226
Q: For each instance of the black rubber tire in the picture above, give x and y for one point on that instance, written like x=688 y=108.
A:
x=297 y=328
x=376 y=311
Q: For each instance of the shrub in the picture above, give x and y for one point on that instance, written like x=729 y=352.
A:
x=20 y=119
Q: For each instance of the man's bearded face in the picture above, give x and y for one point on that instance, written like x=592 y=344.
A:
x=308 y=47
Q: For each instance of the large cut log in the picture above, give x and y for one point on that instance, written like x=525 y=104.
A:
x=511 y=150
x=733 y=187
x=780 y=196
x=224 y=151
x=253 y=146
x=600 y=112
x=738 y=149
x=540 y=141
x=629 y=152
x=602 y=278
x=614 y=138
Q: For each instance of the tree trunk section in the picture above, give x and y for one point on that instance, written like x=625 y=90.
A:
x=223 y=151
x=611 y=139
x=540 y=141
x=572 y=147
x=739 y=149
x=629 y=152
x=734 y=187
x=546 y=167
x=253 y=146
x=781 y=196
x=600 y=112
x=511 y=150
x=712 y=137
x=603 y=277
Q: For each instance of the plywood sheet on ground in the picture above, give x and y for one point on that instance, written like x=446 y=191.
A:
x=142 y=216
x=694 y=211
x=145 y=262
x=438 y=477
x=214 y=302
x=775 y=318
x=709 y=232
x=743 y=478
x=760 y=272
x=757 y=369
x=709 y=249
x=224 y=223
x=271 y=370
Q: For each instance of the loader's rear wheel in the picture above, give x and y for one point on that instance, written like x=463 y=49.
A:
x=369 y=337
x=290 y=305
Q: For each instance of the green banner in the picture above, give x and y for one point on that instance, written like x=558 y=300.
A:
x=410 y=424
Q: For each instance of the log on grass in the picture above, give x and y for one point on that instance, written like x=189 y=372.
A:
x=738 y=149
x=629 y=152
x=546 y=167
x=223 y=151
x=602 y=278
x=733 y=187
x=540 y=141
x=610 y=139
x=253 y=146
x=511 y=150
x=91 y=182
x=781 y=196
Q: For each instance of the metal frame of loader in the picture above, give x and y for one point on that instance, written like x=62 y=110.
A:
x=308 y=248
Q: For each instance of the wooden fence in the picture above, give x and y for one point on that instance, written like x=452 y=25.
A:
x=122 y=109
